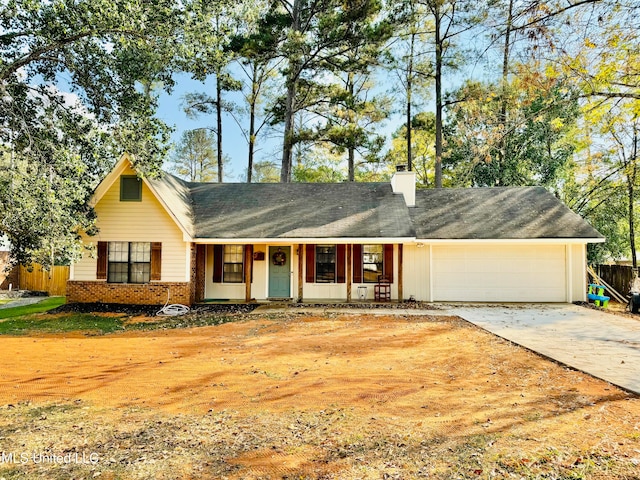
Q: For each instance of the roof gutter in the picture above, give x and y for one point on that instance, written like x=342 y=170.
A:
x=402 y=240
x=521 y=241
x=314 y=240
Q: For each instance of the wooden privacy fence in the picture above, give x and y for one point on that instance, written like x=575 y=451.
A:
x=618 y=276
x=54 y=281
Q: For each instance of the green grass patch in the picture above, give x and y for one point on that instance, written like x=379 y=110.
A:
x=83 y=323
x=48 y=303
x=26 y=320
x=47 y=410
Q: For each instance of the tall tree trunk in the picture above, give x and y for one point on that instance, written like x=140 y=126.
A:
x=409 y=100
x=290 y=107
x=219 y=114
x=631 y=182
x=438 y=81
x=219 y=127
x=352 y=168
x=505 y=79
x=351 y=150
x=505 y=62
x=632 y=233
x=252 y=122
x=287 y=148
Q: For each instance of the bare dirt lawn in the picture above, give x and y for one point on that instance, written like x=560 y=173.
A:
x=298 y=396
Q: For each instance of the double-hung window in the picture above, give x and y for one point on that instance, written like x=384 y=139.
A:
x=372 y=263
x=129 y=262
x=325 y=263
x=233 y=266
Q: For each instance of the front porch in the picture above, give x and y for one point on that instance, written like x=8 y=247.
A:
x=298 y=273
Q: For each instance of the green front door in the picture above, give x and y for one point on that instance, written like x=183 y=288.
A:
x=279 y=272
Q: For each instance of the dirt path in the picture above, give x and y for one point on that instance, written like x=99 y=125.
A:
x=395 y=366
x=438 y=376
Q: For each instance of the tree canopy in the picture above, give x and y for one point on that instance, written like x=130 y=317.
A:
x=77 y=86
x=543 y=92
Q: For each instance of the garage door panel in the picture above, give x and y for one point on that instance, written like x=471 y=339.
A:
x=499 y=273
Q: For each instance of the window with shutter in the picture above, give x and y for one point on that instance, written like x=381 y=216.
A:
x=233 y=266
x=228 y=263
x=129 y=262
x=370 y=262
x=325 y=263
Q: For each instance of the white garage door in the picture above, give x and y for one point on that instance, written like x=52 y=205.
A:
x=499 y=273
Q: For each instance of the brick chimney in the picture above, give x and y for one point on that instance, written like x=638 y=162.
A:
x=404 y=182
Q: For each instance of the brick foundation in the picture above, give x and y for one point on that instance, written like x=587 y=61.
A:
x=154 y=293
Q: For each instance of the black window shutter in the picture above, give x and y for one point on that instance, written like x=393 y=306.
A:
x=357 y=263
x=218 y=259
x=388 y=262
x=310 y=262
x=103 y=257
x=156 y=261
x=341 y=255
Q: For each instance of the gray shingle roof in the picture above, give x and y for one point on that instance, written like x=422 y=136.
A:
x=299 y=210
x=175 y=193
x=495 y=213
x=367 y=210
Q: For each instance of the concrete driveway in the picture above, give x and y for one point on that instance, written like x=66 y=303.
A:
x=602 y=344
x=22 y=301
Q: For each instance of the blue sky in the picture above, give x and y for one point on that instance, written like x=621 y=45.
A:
x=235 y=147
x=234 y=144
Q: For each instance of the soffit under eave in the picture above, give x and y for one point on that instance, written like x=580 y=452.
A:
x=313 y=241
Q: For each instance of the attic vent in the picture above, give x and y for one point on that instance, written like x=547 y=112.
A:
x=401 y=167
x=130 y=188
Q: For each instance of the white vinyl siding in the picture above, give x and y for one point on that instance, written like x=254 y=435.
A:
x=144 y=221
x=416 y=272
x=499 y=273
x=577 y=268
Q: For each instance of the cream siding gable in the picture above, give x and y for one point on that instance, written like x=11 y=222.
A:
x=124 y=167
x=110 y=180
x=144 y=221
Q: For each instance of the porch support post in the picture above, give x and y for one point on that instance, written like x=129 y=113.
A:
x=300 y=273
x=349 y=266
x=248 y=266
x=400 y=274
